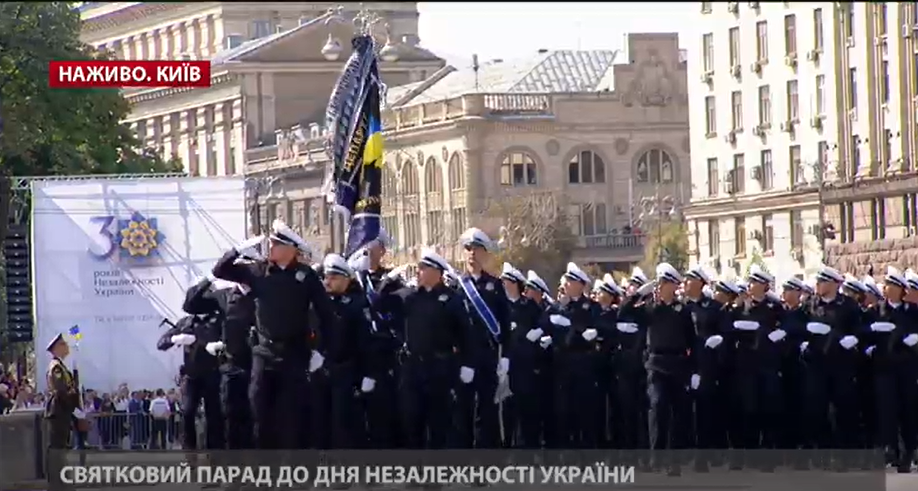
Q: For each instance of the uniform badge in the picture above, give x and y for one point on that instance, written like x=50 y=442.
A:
x=678 y=308
x=345 y=300
x=513 y=325
x=489 y=286
x=585 y=306
x=300 y=276
x=443 y=298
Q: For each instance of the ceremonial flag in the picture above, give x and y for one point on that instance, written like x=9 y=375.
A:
x=356 y=145
x=75 y=333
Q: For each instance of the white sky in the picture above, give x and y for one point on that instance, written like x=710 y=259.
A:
x=456 y=31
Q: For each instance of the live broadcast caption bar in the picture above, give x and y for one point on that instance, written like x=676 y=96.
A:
x=754 y=470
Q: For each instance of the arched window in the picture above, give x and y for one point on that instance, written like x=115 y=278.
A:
x=409 y=178
x=518 y=169
x=433 y=177
x=388 y=181
x=586 y=167
x=456 y=173
x=655 y=166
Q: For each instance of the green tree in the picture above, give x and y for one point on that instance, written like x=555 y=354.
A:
x=533 y=233
x=666 y=242
x=757 y=259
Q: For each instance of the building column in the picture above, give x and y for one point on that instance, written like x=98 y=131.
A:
x=217 y=34
x=127 y=48
x=153 y=52
x=205 y=41
x=237 y=140
x=165 y=43
x=178 y=40
x=168 y=143
x=184 y=142
x=140 y=47
x=204 y=142
x=191 y=38
x=221 y=136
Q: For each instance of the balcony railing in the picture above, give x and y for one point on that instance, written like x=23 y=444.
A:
x=616 y=241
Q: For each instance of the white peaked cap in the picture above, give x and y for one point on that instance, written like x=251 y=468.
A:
x=871 y=286
x=707 y=291
x=794 y=283
x=533 y=280
x=727 y=286
x=597 y=285
x=827 y=273
x=475 y=237
x=508 y=272
x=608 y=284
x=280 y=232
x=851 y=282
x=574 y=272
x=218 y=284
x=360 y=260
x=638 y=277
x=698 y=272
x=759 y=275
x=893 y=276
x=666 y=272
x=336 y=264
x=429 y=257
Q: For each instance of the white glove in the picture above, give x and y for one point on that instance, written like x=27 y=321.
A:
x=777 y=335
x=590 y=334
x=183 y=339
x=646 y=289
x=818 y=328
x=316 y=361
x=696 y=381
x=545 y=342
x=559 y=320
x=911 y=340
x=804 y=345
x=359 y=261
x=397 y=272
x=79 y=414
x=882 y=327
x=249 y=243
x=626 y=327
x=466 y=375
x=848 y=342
x=869 y=350
x=215 y=347
x=714 y=341
x=503 y=367
x=534 y=334
x=367 y=385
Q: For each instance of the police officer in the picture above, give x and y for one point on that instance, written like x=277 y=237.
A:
x=478 y=417
x=892 y=339
x=829 y=353
x=578 y=399
x=793 y=321
x=670 y=338
x=537 y=291
x=866 y=416
x=710 y=433
x=200 y=376
x=435 y=327
x=345 y=357
x=607 y=295
x=61 y=410
x=629 y=428
x=383 y=286
x=524 y=376
x=284 y=291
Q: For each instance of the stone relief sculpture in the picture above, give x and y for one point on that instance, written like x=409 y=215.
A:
x=652 y=84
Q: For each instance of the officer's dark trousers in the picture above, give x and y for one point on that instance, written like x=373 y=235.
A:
x=710 y=432
x=204 y=387
x=380 y=413
x=317 y=432
x=58 y=443
x=335 y=413
x=530 y=391
x=629 y=409
x=426 y=388
x=867 y=407
x=276 y=394
x=578 y=402
x=826 y=387
x=791 y=383
x=234 y=392
x=757 y=407
x=897 y=408
x=478 y=420
x=668 y=417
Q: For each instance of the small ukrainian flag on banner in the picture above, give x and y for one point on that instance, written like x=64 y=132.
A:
x=373 y=150
x=75 y=332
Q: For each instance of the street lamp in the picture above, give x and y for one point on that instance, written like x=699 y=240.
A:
x=255 y=189
x=363 y=22
x=662 y=209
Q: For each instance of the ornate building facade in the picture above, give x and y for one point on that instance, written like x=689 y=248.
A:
x=804 y=133
x=596 y=131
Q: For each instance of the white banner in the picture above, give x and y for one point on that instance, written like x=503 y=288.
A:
x=114 y=257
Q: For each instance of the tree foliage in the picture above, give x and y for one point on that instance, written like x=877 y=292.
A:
x=533 y=233
x=666 y=242
x=49 y=131
x=757 y=259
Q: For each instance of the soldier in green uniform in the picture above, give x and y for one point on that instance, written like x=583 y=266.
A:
x=61 y=410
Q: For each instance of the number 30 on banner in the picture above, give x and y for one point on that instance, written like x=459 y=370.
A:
x=106 y=241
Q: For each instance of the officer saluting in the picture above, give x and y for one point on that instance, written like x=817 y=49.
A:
x=284 y=290
x=62 y=408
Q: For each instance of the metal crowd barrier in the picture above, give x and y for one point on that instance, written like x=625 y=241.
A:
x=133 y=431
